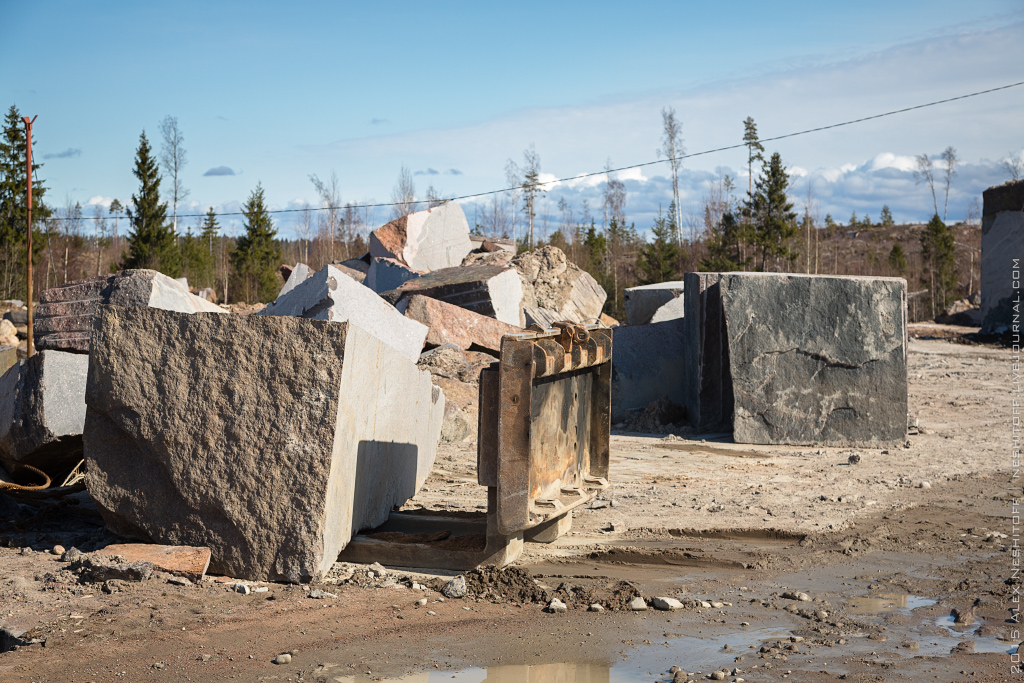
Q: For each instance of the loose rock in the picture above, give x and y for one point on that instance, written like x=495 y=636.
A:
x=455 y=588
x=666 y=604
x=557 y=606
x=638 y=604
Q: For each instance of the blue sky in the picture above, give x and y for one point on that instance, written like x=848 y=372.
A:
x=271 y=93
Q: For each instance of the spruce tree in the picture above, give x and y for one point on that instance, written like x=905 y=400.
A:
x=658 y=260
x=13 y=206
x=939 y=254
x=257 y=254
x=724 y=247
x=771 y=211
x=151 y=242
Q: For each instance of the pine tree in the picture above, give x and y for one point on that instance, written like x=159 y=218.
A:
x=13 y=206
x=658 y=260
x=257 y=254
x=897 y=259
x=151 y=242
x=939 y=254
x=724 y=247
x=771 y=212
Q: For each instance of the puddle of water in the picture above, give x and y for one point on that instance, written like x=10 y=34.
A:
x=886 y=602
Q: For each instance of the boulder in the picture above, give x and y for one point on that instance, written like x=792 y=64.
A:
x=654 y=303
x=42 y=412
x=64 y=316
x=388 y=273
x=448 y=324
x=296 y=274
x=425 y=240
x=550 y=281
x=817 y=359
x=1002 y=249
x=310 y=432
x=647 y=365
x=493 y=291
x=355 y=268
x=501 y=257
x=329 y=295
x=707 y=393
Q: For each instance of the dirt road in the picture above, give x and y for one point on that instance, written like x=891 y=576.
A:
x=885 y=545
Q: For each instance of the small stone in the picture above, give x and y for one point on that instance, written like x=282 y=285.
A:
x=923 y=485
x=797 y=595
x=242 y=588
x=57 y=550
x=854 y=459
x=456 y=588
x=158 y=665
x=717 y=605
x=705 y=604
x=717 y=676
x=674 y=670
x=421 y=602
x=637 y=604
x=596 y=608
x=261 y=589
x=432 y=613
x=821 y=614
x=796 y=639
x=320 y=594
x=557 y=606
x=666 y=604
x=179 y=581
x=71 y=554
x=744 y=623
x=283 y=659
x=26 y=551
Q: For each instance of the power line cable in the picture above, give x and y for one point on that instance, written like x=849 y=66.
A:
x=632 y=166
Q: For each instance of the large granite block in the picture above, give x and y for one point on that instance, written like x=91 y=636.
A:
x=450 y=324
x=270 y=440
x=817 y=359
x=647 y=365
x=64 y=317
x=654 y=303
x=330 y=295
x=425 y=240
x=494 y=291
x=1002 y=254
x=708 y=384
x=298 y=274
x=42 y=412
x=386 y=274
x=552 y=282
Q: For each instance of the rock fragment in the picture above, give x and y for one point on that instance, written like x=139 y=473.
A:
x=450 y=324
x=493 y=291
x=654 y=303
x=666 y=604
x=556 y=606
x=388 y=273
x=638 y=604
x=425 y=240
x=455 y=588
x=552 y=282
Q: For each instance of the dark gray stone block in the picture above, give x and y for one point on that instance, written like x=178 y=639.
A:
x=708 y=384
x=647 y=364
x=1002 y=253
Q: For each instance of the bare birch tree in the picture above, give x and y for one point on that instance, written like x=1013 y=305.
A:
x=403 y=196
x=532 y=188
x=923 y=174
x=513 y=181
x=949 y=162
x=329 y=193
x=173 y=160
x=1014 y=165
x=672 y=147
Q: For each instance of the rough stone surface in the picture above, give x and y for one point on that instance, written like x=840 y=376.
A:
x=541 y=316
x=99 y=568
x=707 y=392
x=329 y=295
x=637 y=604
x=298 y=274
x=186 y=561
x=270 y=440
x=501 y=257
x=387 y=273
x=1002 y=242
x=42 y=412
x=450 y=324
x=654 y=303
x=817 y=359
x=493 y=291
x=550 y=281
x=455 y=588
x=647 y=365
x=493 y=244
x=8 y=358
x=425 y=240
x=666 y=604
x=355 y=268
x=64 y=317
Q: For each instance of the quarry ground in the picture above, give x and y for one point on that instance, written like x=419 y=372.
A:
x=885 y=548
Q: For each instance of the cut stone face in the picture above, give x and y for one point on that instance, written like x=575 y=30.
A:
x=654 y=303
x=330 y=295
x=387 y=273
x=299 y=274
x=708 y=384
x=42 y=412
x=541 y=316
x=64 y=316
x=355 y=268
x=450 y=324
x=647 y=364
x=425 y=240
x=270 y=440
x=494 y=291
x=1002 y=243
x=817 y=359
x=551 y=282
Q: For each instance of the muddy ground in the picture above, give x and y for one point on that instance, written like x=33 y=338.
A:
x=885 y=548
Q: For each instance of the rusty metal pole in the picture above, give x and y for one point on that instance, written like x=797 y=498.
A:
x=28 y=156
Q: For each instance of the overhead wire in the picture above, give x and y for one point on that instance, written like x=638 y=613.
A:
x=623 y=168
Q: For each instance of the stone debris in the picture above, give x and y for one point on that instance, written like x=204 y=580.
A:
x=596 y=608
x=638 y=604
x=272 y=392
x=796 y=595
x=355 y=268
x=63 y=319
x=455 y=588
x=187 y=561
x=99 y=568
x=817 y=359
x=556 y=606
x=542 y=317
x=493 y=291
x=1002 y=243
x=647 y=365
x=241 y=588
x=707 y=389
x=283 y=659
x=425 y=240
x=449 y=324
x=318 y=594
x=42 y=412
x=329 y=295
x=296 y=275
x=179 y=581
x=666 y=604
x=498 y=257
x=551 y=282
x=387 y=273
x=654 y=303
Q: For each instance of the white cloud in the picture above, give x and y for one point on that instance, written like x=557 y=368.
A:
x=99 y=200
